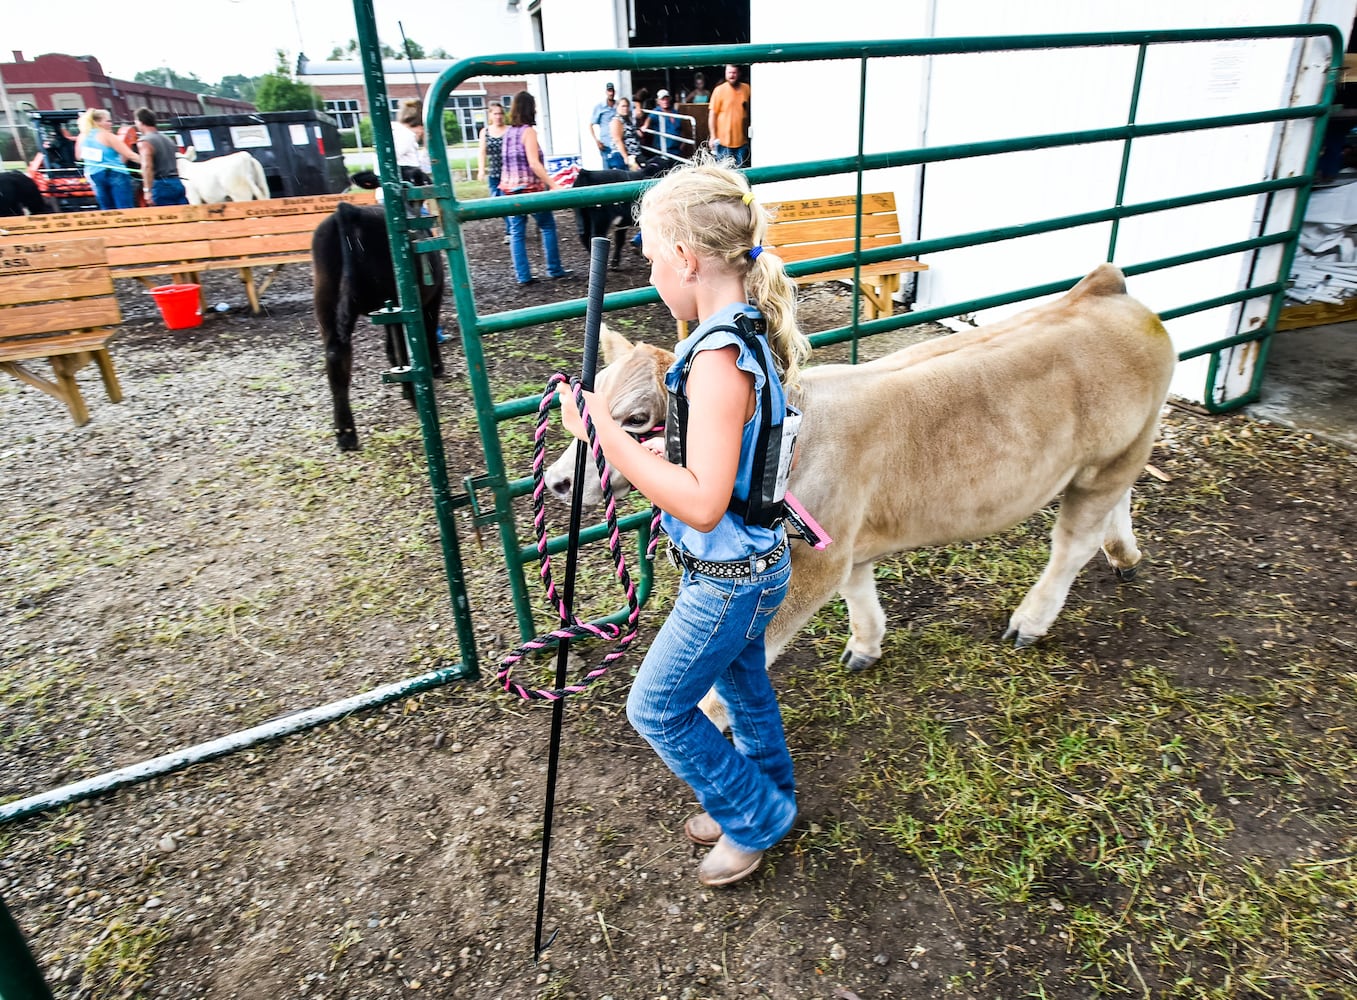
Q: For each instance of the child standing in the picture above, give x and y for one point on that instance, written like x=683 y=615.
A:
x=702 y=234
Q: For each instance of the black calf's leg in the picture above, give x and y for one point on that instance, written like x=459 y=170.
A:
x=339 y=370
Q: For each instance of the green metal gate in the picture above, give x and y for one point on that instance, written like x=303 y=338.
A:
x=489 y=497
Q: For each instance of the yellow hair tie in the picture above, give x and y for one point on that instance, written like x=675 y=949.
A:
x=748 y=197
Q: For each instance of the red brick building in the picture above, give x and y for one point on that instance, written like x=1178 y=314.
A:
x=59 y=82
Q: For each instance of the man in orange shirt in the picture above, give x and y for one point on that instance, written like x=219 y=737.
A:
x=728 y=119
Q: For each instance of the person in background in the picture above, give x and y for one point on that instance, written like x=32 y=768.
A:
x=106 y=158
x=663 y=130
x=703 y=236
x=160 y=183
x=600 y=122
x=492 y=152
x=521 y=172
x=407 y=134
x=728 y=119
x=625 y=135
x=699 y=94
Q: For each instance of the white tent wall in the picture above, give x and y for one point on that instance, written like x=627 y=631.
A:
x=985 y=96
x=569 y=98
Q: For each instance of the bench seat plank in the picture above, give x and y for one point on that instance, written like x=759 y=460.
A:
x=43 y=286
x=48 y=317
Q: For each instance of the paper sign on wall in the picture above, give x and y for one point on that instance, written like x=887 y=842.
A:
x=250 y=136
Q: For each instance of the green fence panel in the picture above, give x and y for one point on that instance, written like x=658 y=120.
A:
x=491 y=494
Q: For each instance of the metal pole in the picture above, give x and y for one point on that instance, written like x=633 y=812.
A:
x=180 y=759
x=593 y=321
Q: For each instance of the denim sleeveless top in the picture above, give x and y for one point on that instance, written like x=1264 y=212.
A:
x=98 y=157
x=731 y=539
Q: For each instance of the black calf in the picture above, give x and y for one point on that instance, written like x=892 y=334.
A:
x=613 y=220
x=18 y=192
x=354 y=276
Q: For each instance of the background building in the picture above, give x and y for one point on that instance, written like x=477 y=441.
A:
x=59 y=82
x=340 y=85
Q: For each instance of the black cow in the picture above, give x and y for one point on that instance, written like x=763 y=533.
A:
x=18 y=192
x=613 y=220
x=354 y=275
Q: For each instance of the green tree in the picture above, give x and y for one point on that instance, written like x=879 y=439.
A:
x=278 y=92
x=452 y=128
x=242 y=88
x=166 y=77
x=413 y=50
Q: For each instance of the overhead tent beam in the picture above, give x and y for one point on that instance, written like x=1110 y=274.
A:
x=474 y=326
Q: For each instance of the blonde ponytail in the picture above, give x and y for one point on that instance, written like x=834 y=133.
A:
x=710 y=208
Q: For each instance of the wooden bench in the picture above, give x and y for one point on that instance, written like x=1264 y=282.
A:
x=821 y=227
x=180 y=241
x=57 y=302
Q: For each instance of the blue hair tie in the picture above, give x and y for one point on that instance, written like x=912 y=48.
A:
x=754 y=253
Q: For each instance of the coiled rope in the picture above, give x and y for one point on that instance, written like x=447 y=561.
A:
x=572 y=627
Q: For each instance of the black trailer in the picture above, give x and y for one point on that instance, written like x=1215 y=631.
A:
x=300 y=150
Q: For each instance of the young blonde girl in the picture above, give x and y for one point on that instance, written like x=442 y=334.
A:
x=702 y=232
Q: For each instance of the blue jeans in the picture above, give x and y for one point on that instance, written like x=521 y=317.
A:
x=614 y=160
x=495 y=192
x=112 y=189
x=713 y=637
x=740 y=154
x=168 y=191
x=518 y=250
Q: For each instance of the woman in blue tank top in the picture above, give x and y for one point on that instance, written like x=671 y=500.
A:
x=702 y=234
x=106 y=158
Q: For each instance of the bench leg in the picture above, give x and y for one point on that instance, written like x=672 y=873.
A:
x=65 y=366
x=247 y=277
x=879 y=295
x=111 y=385
x=268 y=280
x=65 y=388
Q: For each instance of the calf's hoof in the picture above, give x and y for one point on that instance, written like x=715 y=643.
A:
x=857 y=662
x=347 y=440
x=1126 y=575
x=1020 y=641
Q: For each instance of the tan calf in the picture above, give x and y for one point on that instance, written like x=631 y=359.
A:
x=954 y=439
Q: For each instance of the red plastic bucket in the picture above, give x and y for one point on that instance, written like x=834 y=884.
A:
x=180 y=305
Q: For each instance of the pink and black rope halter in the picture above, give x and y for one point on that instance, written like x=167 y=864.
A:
x=572 y=627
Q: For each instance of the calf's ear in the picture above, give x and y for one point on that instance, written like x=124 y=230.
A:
x=613 y=343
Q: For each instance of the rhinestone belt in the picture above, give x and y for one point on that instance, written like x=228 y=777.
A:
x=731 y=570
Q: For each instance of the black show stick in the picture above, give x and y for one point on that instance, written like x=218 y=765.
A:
x=593 y=320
